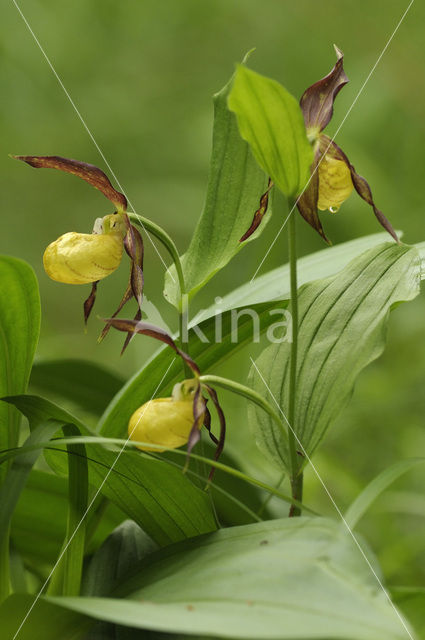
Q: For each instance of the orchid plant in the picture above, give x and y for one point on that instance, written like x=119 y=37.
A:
x=151 y=542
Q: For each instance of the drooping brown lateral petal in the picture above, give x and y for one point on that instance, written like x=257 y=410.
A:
x=147 y=329
x=220 y=445
x=128 y=294
x=133 y=244
x=259 y=214
x=363 y=189
x=198 y=411
x=88 y=304
x=317 y=101
x=88 y=172
x=307 y=202
x=131 y=335
x=207 y=423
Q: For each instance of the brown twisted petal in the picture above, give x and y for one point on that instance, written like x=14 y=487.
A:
x=147 y=329
x=363 y=189
x=307 y=202
x=88 y=172
x=317 y=101
x=259 y=214
x=220 y=444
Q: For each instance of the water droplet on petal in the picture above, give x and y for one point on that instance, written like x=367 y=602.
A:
x=333 y=209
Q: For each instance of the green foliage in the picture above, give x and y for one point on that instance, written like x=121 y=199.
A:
x=270 y=120
x=343 y=322
x=19 y=329
x=84 y=383
x=235 y=185
x=151 y=492
x=213 y=585
x=181 y=567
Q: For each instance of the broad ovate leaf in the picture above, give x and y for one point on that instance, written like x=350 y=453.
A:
x=342 y=328
x=19 y=329
x=281 y=579
x=235 y=187
x=271 y=121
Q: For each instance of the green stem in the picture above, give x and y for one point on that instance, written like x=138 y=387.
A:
x=248 y=393
x=296 y=473
x=165 y=239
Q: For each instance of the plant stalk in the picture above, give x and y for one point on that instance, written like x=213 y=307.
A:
x=246 y=392
x=168 y=243
x=296 y=473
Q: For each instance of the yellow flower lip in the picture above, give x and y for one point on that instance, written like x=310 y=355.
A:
x=81 y=258
x=335 y=183
x=164 y=422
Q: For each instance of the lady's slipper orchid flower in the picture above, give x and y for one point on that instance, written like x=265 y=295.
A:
x=333 y=177
x=79 y=258
x=177 y=420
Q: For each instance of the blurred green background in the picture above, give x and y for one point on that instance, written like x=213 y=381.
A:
x=142 y=73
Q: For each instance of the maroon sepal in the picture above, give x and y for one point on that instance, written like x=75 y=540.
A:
x=307 y=202
x=220 y=444
x=133 y=244
x=88 y=172
x=199 y=406
x=147 y=329
x=363 y=189
x=259 y=214
x=317 y=101
x=207 y=423
x=88 y=304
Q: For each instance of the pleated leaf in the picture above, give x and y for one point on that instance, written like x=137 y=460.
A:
x=283 y=579
x=342 y=328
x=235 y=186
x=270 y=120
x=156 y=495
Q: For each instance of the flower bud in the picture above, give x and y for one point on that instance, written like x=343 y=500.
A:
x=81 y=258
x=163 y=421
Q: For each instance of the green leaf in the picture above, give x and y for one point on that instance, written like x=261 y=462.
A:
x=111 y=564
x=342 y=328
x=116 y=558
x=275 y=285
x=86 y=384
x=377 y=486
x=270 y=120
x=154 y=494
x=45 y=622
x=35 y=534
x=283 y=579
x=19 y=329
x=235 y=186
x=71 y=563
x=18 y=472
